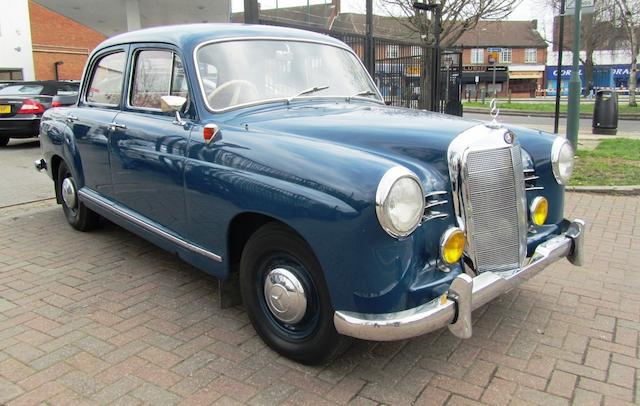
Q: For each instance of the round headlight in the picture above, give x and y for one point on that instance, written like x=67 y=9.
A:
x=562 y=160
x=539 y=210
x=399 y=202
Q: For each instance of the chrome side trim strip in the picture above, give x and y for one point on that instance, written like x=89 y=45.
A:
x=84 y=195
x=534 y=188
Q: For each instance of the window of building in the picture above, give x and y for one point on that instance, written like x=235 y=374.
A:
x=530 y=55
x=11 y=74
x=157 y=74
x=393 y=51
x=106 y=82
x=505 y=55
x=477 y=55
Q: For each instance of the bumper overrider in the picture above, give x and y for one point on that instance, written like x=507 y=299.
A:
x=465 y=295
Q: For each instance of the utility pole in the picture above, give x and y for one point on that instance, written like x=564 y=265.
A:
x=573 y=113
x=556 y=120
x=251 y=12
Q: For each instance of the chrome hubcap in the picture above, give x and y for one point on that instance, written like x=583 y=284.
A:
x=69 y=193
x=285 y=296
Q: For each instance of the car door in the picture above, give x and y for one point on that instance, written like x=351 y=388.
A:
x=91 y=121
x=148 y=145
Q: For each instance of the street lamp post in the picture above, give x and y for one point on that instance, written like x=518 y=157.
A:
x=436 y=8
x=573 y=111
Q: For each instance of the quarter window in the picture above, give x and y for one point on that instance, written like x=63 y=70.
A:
x=157 y=74
x=106 y=82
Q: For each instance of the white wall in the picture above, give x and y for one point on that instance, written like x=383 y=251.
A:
x=608 y=57
x=15 y=32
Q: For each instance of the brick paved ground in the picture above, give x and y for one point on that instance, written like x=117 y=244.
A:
x=108 y=318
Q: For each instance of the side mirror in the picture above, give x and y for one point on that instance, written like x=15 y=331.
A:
x=173 y=104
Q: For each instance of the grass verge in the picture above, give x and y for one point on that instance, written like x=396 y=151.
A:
x=614 y=162
x=551 y=107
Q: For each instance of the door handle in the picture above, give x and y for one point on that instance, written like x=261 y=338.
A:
x=71 y=118
x=113 y=126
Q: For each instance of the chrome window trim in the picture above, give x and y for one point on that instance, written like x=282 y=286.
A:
x=390 y=177
x=266 y=101
x=480 y=138
x=86 y=195
x=134 y=56
x=90 y=77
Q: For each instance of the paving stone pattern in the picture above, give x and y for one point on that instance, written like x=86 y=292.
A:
x=107 y=318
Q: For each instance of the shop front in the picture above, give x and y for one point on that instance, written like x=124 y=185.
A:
x=479 y=79
x=604 y=76
x=526 y=80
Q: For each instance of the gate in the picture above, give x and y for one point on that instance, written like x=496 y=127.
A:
x=401 y=68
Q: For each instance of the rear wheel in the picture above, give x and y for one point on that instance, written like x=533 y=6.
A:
x=4 y=141
x=77 y=214
x=285 y=295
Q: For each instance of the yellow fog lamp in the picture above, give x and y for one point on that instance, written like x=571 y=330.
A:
x=452 y=245
x=539 y=210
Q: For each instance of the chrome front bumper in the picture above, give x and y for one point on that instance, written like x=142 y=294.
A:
x=465 y=295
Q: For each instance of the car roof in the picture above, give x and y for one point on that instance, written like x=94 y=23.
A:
x=189 y=35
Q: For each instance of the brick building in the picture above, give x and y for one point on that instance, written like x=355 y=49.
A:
x=39 y=44
x=56 y=38
x=520 y=55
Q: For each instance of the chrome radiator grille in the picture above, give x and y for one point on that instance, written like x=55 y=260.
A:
x=494 y=205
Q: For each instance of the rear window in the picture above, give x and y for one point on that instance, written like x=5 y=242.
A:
x=68 y=89
x=22 y=89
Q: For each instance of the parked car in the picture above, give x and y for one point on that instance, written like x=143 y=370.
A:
x=339 y=216
x=23 y=103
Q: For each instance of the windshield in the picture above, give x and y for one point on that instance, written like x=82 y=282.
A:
x=240 y=72
x=22 y=89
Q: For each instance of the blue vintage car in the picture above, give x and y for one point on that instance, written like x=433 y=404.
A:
x=266 y=157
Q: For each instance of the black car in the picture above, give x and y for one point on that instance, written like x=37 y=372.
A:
x=22 y=105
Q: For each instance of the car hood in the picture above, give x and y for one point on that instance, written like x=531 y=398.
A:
x=409 y=137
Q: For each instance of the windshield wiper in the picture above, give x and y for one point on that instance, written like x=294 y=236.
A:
x=307 y=91
x=362 y=93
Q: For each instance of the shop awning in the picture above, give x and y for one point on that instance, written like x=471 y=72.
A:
x=470 y=77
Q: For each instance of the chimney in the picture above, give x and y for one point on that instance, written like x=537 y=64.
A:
x=336 y=4
x=534 y=24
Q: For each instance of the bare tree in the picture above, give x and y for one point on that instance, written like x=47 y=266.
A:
x=457 y=16
x=630 y=16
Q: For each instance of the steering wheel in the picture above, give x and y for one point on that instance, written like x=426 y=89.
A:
x=237 y=84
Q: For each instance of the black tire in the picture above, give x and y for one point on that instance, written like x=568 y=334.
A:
x=79 y=217
x=4 y=141
x=314 y=338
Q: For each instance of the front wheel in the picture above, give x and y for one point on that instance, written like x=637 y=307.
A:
x=285 y=295
x=4 y=141
x=78 y=215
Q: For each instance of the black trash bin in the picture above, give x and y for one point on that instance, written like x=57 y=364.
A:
x=605 y=113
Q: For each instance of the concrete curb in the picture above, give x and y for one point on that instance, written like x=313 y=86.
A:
x=633 y=190
x=508 y=112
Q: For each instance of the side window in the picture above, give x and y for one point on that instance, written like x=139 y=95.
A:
x=106 y=81
x=157 y=74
